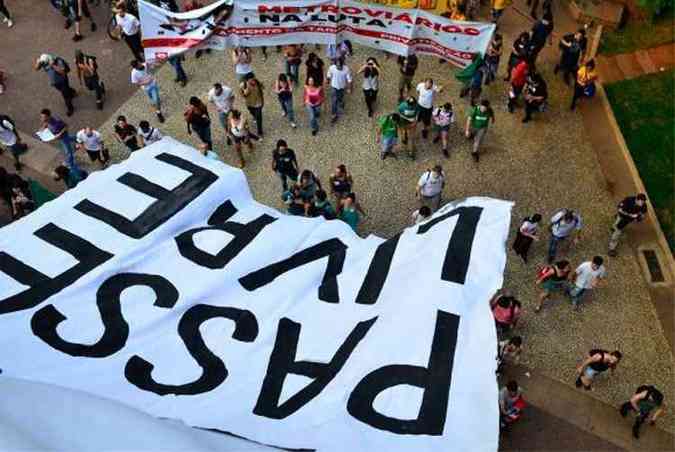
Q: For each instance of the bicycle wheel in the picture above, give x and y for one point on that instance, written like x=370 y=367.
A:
x=113 y=33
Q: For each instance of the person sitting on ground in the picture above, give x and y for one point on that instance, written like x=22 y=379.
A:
x=508 y=352
x=506 y=311
x=511 y=403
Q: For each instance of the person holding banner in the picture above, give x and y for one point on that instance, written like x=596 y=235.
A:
x=340 y=77
x=313 y=97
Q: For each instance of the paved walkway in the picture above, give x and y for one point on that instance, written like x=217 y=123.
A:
x=632 y=65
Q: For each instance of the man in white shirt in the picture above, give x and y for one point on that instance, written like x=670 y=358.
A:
x=141 y=76
x=9 y=138
x=587 y=276
x=222 y=97
x=90 y=140
x=565 y=223
x=148 y=134
x=430 y=187
x=340 y=77
x=130 y=28
x=426 y=91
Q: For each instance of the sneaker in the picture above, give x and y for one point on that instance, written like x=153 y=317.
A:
x=445 y=153
x=160 y=117
x=78 y=38
x=636 y=432
x=283 y=113
x=93 y=27
x=314 y=132
x=99 y=105
x=182 y=83
x=294 y=125
x=10 y=24
x=70 y=112
x=475 y=156
x=68 y=24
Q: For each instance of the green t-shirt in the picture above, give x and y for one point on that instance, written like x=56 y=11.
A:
x=350 y=216
x=388 y=127
x=479 y=119
x=407 y=111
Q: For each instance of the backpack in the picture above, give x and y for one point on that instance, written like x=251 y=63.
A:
x=66 y=67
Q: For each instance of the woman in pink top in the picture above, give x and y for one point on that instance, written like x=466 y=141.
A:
x=506 y=311
x=313 y=100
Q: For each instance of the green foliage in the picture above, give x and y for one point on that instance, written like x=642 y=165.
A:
x=656 y=7
x=645 y=110
x=638 y=35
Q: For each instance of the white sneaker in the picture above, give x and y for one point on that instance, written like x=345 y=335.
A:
x=294 y=125
x=10 y=24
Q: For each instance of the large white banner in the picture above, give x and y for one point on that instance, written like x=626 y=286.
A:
x=160 y=283
x=253 y=23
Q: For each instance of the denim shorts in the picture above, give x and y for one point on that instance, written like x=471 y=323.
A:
x=590 y=373
x=387 y=143
x=153 y=93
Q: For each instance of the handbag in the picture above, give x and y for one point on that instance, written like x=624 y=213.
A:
x=589 y=90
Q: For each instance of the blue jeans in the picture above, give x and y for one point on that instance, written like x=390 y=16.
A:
x=576 y=294
x=314 y=115
x=553 y=247
x=337 y=101
x=176 y=62
x=388 y=144
x=292 y=70
x=68 y=149
x=153 y=93
x=287 y=107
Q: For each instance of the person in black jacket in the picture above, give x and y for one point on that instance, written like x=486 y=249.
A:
x=572 y=48
x=535 y=93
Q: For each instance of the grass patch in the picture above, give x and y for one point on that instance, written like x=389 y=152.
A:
x=638 y=35
x=644 y=108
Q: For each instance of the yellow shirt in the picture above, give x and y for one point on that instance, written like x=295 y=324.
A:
x=586 y=76
x=500 y=4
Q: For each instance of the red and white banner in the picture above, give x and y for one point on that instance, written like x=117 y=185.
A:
x=254 y=23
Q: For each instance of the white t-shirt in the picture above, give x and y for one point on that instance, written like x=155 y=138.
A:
x=586 y=275
x=91 y=142
x=243 y=64
x=339 y=78
x=7 y=135
x=430 y=184
x=129 y=24
x=222 y=101
x=142 y=77
x=425 y=97
x=152 y=135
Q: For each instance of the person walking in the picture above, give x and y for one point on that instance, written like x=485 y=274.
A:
x=535 y=94
x=584 y=85
x=565 y=223
x=341 y=183
x=498 y=8
x=350 y=211
x=241 y=57
x=10 y=139
x=477 y=126
x=340 y=78
x=492 y=58
x=147 y=134
x=587 y=276
x=518 y=80
x=87 y=74
x=407 y=67
x=141 y=76
x=222 y=97
x=315 y=69
x=6 y=16
x=631 y=209
x=254 y=98
x=283 y=88
x=506 y=311
x=130 y=28
x=519 y=52
x=528 y=232
x=408 y=113
x=57 y=70
x=285 y=164
x=292 y=61
x=572 y=48
x=542 y=31
x=176 y=62
x=597 y=362
x=91 y=142
x=77 y=9
x=59 y=129
x=429 y=189
x=552 y=278
x=240 y=134
x=313 y=98
x=371 y=82
x=197 y=119
x=426 y=94
x=646 y=400
x=126 y=134
x=546 y=7
x=443 y=117
x=387 y=135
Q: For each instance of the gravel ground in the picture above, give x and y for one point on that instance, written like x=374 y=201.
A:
x=542 y=166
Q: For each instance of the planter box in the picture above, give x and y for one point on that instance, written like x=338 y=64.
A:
x=602 y=12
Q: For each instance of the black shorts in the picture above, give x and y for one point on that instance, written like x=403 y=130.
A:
x=238 y=140
x=424 y=115
x=75 y=11
x=94 y=155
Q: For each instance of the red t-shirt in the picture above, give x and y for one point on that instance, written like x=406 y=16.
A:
x=519 y=75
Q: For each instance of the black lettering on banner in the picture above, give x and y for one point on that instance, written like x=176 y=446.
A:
x=139 y=372
x=169 y=202
x=282 y=362
x=377 y=272
x=116 y=330
x=434 y=379
x=334 y=249
x=243 y=236
x=458 y=254
x=41 y=286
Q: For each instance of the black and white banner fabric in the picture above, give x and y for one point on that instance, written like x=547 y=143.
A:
x=160 y=283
